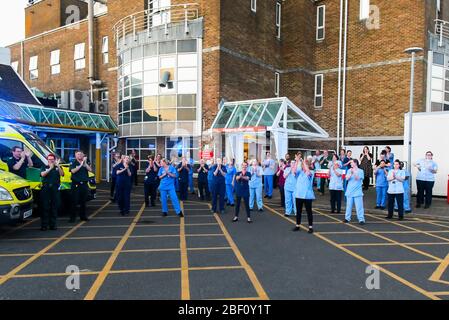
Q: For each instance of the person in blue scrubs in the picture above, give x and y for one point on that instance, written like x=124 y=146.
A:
x=219 y=187
x=407 y=207
x=425 y=180
x=255 y=185
x=316 y=164
x=289 y=189
x=229 y=179
x=396 y=178
x=210 y=176
x=268 y=175
x=124 y=177
x=336 y=183
x=381 y=173
x=242 y=192
x=354 y=193
x=346 y=166
x=191 y=164
x=389 y=156
x=304 y=194
x=168 y=175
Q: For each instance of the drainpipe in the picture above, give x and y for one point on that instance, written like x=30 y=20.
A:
x=344 y=74
x=339 y=77
x=22 y=58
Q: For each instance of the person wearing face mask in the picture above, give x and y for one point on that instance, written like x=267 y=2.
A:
x=290 y=176
x=255 y=185
x=396 y=178
x=354 y=193
x=242 y=192
x=168 y=175
x=51 y=180
x=124 y=182
x=425 y=180
x=219 y=187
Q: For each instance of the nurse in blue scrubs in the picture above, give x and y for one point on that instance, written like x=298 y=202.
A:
x=290 y=175
x=229 y=179
x=167 y=175
x=354 y=193
x=255 y=185
x=381 y=173
x=304 y=193
x=210 y=176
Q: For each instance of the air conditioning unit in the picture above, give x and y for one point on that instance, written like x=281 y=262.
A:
x=79 y=100
x=64 y=101
x=101 y=107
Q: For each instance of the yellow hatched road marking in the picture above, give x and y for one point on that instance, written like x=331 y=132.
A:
x=107 y=268
x=33 y=258
x=438 y=273
x=406 y=262
x=363 y=259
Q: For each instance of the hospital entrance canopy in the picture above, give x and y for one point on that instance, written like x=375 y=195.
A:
x=277 y=115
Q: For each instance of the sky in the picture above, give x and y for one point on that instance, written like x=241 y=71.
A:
x=12 y=21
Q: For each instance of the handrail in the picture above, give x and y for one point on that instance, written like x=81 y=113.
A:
x=148 y=19
x=441 y=30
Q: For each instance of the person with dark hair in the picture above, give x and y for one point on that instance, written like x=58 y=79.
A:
x=281 y=180
x=389 y=155
x=290 y=176
x=219 y=187
x=80 y=169
x=242 y=192
x=115 y=162
x=336 y=184
x=183 y=178
x=381 y=173
x=425 y=180
x=396 y=178
x=150 y=183
x=354 y=193
x=124 y=181
x=167 y=175
x=304 y=194
x=19 y=162
x=203 y=186
x=134 y=165
x=229 y=181
x=366 y=165
x=51 y=180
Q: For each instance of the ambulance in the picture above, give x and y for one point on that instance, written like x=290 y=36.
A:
x=16 y=198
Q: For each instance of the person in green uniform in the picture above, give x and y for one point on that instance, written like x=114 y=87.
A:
x=51 y=180
x=80 y=169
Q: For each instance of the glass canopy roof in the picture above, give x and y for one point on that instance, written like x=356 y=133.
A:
x=272 y=114
x=60 y=118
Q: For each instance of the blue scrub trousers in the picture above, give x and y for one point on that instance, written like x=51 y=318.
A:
x=218 y=190
x=358 y=201
x=290 y=203
x=381 y=196
x=210 y=185
x=268 y=185
x=255 y=194
x=230 y=193
x=123 y=195
x=406 y=199
x=174 y=200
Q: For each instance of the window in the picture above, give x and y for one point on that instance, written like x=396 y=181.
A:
x=15 y=65
x=79 y=56
x=177 y=147
x=439 y=97
x=278 y=19
x=105 y=95
x=253 y=5
x=54 y=62
x=34 y=72
x=320 y=21
x=364 y=9
x=318 y=91
x=277 y=77
x=144 y=148
x=105 y=49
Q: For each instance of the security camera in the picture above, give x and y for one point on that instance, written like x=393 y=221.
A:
x=165 y=80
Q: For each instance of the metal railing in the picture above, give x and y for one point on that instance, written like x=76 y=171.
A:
x=145 y=21
x=441 y=30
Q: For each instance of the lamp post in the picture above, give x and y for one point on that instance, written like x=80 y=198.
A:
x=413 y=51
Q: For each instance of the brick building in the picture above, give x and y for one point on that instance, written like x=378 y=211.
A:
x=341 y=62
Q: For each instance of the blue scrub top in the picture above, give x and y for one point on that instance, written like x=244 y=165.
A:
x=167 y=183
x=256 y=181
x=381 y=178
x=290 y=181
x=304 y=185
x=336 y=182
x=231 y=171
x=218 y=179
x=269 y=167
x=425 y=174
x=242 y=186
x=354 y=187
x=210 y=174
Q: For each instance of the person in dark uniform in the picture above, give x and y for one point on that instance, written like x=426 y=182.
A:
x=202 y=180
x=151 y=182
x=183 y=178
x=242 y=191
x=115 y=162
x=19 y=162
x=134 y=166
x=124 y=182
x=80 y=169
x=51 y=180
x=219 y=186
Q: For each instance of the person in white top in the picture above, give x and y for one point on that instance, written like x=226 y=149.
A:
x=425 y=180
x=396 y=178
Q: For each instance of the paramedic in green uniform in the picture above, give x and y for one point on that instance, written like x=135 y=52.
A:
x=80 y=169
x=51 y=180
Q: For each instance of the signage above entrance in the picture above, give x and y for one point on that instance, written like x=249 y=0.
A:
x=236 y=130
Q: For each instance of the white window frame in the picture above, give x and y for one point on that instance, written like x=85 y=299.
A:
x=105 y=49
x=254 y=5
x=15 y=65
x=364 y=9
x=320 y=95
x=322 y=27
x=55 y=57
x=79 y=56
x=33 y=67
x=278 y=19
x=104 y=95
x=277 y=83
